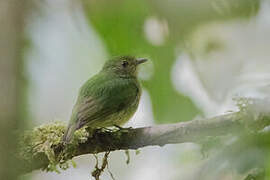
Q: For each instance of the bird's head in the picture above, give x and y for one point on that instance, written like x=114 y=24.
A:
x=124 y=66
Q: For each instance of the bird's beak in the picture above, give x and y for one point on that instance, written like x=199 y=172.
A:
x=141 y=60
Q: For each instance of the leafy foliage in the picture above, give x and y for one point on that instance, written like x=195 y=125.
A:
x=120 y=25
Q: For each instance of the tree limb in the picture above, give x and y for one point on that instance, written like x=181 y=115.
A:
x=251 y=117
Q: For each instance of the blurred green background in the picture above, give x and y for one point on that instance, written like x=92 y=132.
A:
x=203 y=54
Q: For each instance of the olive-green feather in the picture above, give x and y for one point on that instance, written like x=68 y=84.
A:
x=109 y=98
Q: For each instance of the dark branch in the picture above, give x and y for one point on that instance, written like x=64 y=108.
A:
x=253 y=117
x=160 y=135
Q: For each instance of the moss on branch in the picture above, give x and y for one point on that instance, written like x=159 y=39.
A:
x=42 y=147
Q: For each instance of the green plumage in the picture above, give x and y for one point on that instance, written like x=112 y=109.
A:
x=109 y=98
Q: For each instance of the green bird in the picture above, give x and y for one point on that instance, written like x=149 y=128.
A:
x=109 y=98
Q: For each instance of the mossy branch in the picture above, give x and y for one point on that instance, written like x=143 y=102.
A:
x=42 y=147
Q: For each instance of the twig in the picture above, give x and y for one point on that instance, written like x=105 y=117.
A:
x=98 y=171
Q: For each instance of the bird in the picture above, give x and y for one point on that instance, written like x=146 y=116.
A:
x=109 y=98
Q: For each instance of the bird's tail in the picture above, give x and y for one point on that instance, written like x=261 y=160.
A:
x=69 y=133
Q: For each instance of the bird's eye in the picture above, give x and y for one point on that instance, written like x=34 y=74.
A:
x=124 y=64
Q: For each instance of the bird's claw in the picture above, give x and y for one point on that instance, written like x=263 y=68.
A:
x=121 y=128
x=105 y=129
x=118 y=127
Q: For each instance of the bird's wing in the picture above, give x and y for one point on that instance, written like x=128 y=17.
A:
x=81 y=110
x=109 y=98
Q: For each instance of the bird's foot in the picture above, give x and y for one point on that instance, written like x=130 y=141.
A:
x=105 y=129
x=112 y=129
x=119 y=128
